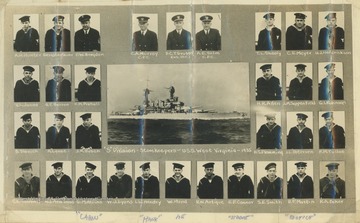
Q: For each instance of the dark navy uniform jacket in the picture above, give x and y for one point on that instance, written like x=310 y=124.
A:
x=87 y=42
x=147 y=42
x=212 y=41
x=179 y=42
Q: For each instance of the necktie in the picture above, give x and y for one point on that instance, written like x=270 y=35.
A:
x=142 y=33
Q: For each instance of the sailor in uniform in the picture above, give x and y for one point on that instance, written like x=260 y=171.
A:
x=27 y=38
x=211 y=186
x=58 y=89
x=28 y=185
x=299 y=35
x=89 y=89
x=209 y=38
x=144 y=39
x=27 y=136
x=178 y=39
x=270 y=37
x=177 y=186
x=120 y=184
x=240 y=185
x=332 y=36
x=87 y=38
x=57 y=39
x=27 y=89
x=147 y=185
x=58 y=136
x=89 y=185
x=332 y=186
x=300 y=185
x=270 y=186
x=300 y=136
x=87 y=134
x=58 y=185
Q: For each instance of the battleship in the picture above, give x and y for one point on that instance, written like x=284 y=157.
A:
x=172 y=108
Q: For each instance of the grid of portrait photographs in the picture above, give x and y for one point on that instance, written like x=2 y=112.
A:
x=164 y=108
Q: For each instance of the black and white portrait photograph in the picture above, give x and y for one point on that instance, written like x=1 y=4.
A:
x=88 y=130
x=58 y=83
x=58 y=130
x=26 y=32
x=88 y=175
x=27 y=133
x=208 y=31
x=178 y=108
x=300 y=184
x=331 y=33
x=268 y=81
x=269 y=131
x=299 y=32
x=57 y=36
x=145 y=32
x=27 y=181
x=299 y=81
x=300 y=130
x=210 y=183
x=178 y=179
x=332 y=180
x=267 y=31
x=240 y=179
x=332 y=130
x=179 y=31
x=87 y=82
x=59 y=183
x=270 y=180
x=120 y=179
x=147 y=185
x=26 y=83
x=87 y=32
x=331 y=84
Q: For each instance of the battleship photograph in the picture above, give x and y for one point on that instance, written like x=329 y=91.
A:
x=178 y=104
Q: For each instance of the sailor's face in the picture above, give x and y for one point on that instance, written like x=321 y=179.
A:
x=330 y=71
x=143 y=25
x=58 y=75
x=329 y=121
x=299 y=22
x=179 y=24
x=27 y=122
x=270 y=21
x=27 y=75
x=120 y=172
x=85 y=25
x=267 y=73
x=59 y=24
x=89 y=172
x=301 y=121
x=58 y=171
x=239 y=172
x=300 y=72
x=25 y=25
x=206 y=25
x=301 y=170
x=270 y=121
x=87 y=122
x=58 y=122
x=209 y=171
x=271 y=172
x=90 y=76
x=333 y=173
x=146 y=172
x=27 y=172
x=177 y=171
x=331 y=22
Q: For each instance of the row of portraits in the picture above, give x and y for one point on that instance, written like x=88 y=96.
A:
x=299 y=81
x=299 y=33
x=59 y=83
x=300 y=126
x=140 y=179
x=59 y=130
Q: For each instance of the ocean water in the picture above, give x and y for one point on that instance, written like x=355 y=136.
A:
x=165 y=131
